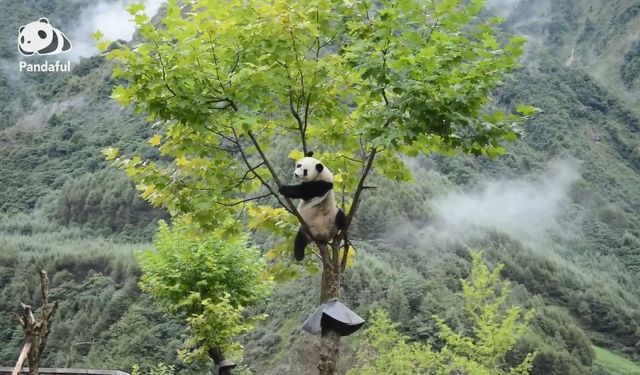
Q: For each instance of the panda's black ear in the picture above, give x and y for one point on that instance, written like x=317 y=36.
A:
x=43 y=20
x=309 y=154
x=319 y=167
x=20 y=29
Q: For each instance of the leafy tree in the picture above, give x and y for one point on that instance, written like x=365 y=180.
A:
x=160 y=369
x=494 y=329
x=208 y=280
x=387 y=351
x=480 y=348
x=363 y=82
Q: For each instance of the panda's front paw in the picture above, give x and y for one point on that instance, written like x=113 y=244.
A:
x=284 y=190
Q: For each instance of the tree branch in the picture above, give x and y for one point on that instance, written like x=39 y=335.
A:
x=215 y=61
x=265 y=160
x=264 y=183
x=345 y=254
x=295 y=51
x=352 y=159
x=17 y=370
x=20 y=321
x=216 y=101
x=384 y=51
x=359 y=189
x=431 y=32
x=219 y=134
x=306 y=113
x=366 y=11
x=301 y=125
x=235 y=64
x=164 y=74
x=53 y=310
x=196 y=188
x=250 y=170
x=244 y=200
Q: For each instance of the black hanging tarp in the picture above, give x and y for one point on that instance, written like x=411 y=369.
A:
x=333 y=316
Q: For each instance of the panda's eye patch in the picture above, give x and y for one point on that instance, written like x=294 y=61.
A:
x=42 y=34
x=22 y=39
x=299 y=165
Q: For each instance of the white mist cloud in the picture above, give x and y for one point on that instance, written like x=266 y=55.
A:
x=527 y=18
x=111 y=18
x=525 y=208
x=502 y=8
x=41 y=114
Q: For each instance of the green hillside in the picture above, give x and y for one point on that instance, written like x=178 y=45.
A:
x=561 y=211
x=611 y=363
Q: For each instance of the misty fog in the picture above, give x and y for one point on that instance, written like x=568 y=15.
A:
x=111 y=18
x=526 y=208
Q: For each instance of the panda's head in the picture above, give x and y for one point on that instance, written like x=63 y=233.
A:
x=312 y=169
x=35 y=36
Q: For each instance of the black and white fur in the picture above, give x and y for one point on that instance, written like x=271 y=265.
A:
x=318 y=206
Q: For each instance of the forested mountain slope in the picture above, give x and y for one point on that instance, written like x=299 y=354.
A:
x=561 y=210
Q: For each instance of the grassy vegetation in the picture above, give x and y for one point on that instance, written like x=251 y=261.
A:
x=611 y=363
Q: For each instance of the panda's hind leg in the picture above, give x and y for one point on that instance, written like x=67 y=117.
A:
x=341 y=220
x=300 y=244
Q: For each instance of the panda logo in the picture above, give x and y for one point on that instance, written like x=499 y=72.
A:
x=41 y=38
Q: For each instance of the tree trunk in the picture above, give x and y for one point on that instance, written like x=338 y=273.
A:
x=38 y=331
x=330 y=290
x=216 y=355
x=329 y=353
x=34 y=360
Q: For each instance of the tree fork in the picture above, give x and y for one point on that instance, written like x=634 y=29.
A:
x=219 y=360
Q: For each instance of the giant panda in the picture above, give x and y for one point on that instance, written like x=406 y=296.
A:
x=318 y=203
x=41 y=38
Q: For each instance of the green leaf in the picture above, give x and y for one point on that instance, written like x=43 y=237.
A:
x=295 y=155
x=526 y=110
x=97 y=35
x=133 y=9
x=122 y=95
x=102 y=45
x=155 y=140
x=110 y=153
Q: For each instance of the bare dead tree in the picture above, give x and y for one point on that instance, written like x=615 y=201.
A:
x=36 y=331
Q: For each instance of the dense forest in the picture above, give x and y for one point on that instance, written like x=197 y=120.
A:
x=560 y=211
